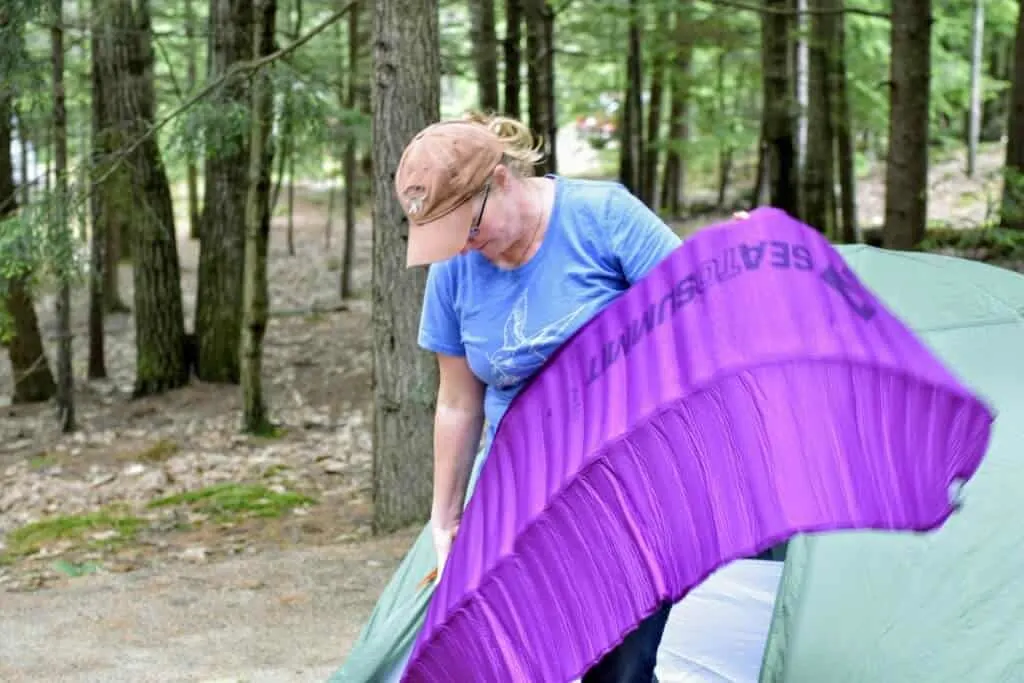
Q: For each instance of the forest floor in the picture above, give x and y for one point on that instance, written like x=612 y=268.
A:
x=157 y=544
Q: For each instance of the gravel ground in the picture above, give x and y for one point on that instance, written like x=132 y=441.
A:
x=275 y=617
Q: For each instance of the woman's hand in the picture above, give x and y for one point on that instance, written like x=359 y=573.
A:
x=443 y=537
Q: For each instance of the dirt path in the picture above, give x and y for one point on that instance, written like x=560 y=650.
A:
x=275 y=617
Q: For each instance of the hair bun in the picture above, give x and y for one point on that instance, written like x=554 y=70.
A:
x=522 y=149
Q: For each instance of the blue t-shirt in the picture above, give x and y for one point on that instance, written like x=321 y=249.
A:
x=600 y=240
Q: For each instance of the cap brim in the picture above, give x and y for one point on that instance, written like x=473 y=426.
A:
x=441 y=239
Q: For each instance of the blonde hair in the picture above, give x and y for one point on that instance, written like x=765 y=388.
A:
x=523 y=150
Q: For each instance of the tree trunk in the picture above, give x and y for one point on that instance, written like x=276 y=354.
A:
x=33 y=381
x=191 y=169
x=218 y=319
x=407 y=67
x=780 y=152
x=725 y=143
x=994 y=110
x=977 y=57
x=654 y=111
x=906 y=175
x=257 y=218
x=674 y=178
x=757 y=194
x=60 y=226
x=631 y=136
x=109 y=203
x=1012 y=212
x=817 y=193
x=800 y=56
x=844 y=134
x=159 y=319
x=365 y=99
x=349 y=155
x=26 y=179
x=540 y=77
x=484 y=44
x=99 y=266
x=286 y=151
x=513 y=63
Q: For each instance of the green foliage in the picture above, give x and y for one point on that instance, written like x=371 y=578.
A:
x=16 y=65
x=996 y=243
x=38 y=248
x=230 y=502
x=96 y=530
x=218 y=127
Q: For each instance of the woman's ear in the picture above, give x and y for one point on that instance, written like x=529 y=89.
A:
x=500 y=176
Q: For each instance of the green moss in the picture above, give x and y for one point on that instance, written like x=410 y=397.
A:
x=226 y=502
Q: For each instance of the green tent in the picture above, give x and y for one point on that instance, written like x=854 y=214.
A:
x=945 y=607
x=385 y=643
x=868 y=607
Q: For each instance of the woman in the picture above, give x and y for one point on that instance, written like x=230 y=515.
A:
x=516 y=264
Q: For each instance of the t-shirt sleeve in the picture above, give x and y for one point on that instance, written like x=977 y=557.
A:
x=639 y=238
x=439 y=323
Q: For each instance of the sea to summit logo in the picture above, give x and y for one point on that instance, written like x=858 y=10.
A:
x=414 y=198
x=743 y=259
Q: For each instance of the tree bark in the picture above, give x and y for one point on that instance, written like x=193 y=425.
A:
x=160 y=362
x=407 y=69
x=906 y=175
x=1012 y=211
x=817 y=193
x=110 y=201
x=674 y=178
x=654 y=109
x=540 y=71
x=349 y=154
x=257 y=218
x=631 y=135
x=778 y=97
x=60 y=226
x=484 y=43
x=218 y=317
x=844 y=139
x=512 y=48
x=191 y=165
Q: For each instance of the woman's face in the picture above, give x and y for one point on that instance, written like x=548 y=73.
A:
x=497 y=223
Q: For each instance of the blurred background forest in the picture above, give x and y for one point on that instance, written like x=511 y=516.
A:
x=209 y=326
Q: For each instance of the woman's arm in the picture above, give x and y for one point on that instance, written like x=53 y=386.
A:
x=458 y=425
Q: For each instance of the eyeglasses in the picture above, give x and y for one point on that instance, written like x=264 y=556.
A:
x=474 y=228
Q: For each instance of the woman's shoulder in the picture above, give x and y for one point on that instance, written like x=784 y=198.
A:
x=590 y=192
x=591 y=208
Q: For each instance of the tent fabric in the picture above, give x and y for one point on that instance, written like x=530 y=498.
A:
x=716 y=634
x=385 y=643
x=747 y=389
x=943 y=607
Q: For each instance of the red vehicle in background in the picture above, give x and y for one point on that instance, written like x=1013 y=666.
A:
x=599 y=128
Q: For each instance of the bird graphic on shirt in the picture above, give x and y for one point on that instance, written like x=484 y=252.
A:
x=521 y=353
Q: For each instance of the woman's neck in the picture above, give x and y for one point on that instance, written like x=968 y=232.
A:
x=535 y=223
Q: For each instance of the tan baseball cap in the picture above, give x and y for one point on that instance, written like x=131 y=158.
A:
x=440 y=172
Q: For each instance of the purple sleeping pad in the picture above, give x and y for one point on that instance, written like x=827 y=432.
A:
x=748 y=389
